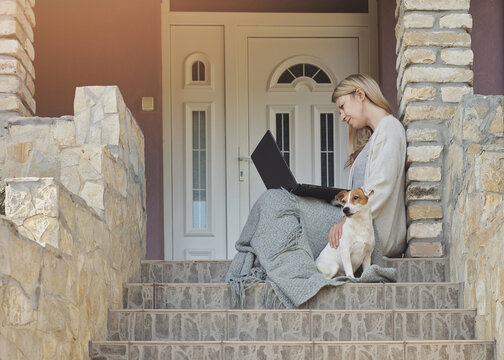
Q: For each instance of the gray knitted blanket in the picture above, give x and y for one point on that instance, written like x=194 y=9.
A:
x=283 y=235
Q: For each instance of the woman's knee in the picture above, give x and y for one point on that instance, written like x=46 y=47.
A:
x=276 y=197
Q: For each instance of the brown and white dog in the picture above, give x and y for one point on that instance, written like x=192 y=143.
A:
x=357 y=240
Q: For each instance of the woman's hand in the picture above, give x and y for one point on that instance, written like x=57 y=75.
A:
x=335 y=233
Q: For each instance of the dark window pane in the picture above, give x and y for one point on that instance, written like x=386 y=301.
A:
x=310 y=70
x=323 y=132
x=297 y=70
x=202 y=130
x=195 y=129
x=322 y=78
x=330 y=132
x=201 y=69
x=330 y=169
x=286 y=132
x=285 y=78
x=279 y=134
x=323 y=167
x=195 y=71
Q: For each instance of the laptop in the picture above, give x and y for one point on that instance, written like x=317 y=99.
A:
x=275 y=172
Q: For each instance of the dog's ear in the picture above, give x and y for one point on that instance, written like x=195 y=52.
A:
x=340 y=196
x=368 y=192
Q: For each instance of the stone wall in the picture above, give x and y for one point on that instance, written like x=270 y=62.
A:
x=474 y=193
x=434 y=72
x=17 y=73
x=75 y=227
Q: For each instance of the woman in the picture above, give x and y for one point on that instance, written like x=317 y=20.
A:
x=284 y=233
x=378 y=160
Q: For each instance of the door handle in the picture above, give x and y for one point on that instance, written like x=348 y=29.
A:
x=244 y=158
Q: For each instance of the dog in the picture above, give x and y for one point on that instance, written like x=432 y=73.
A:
x=357 y=240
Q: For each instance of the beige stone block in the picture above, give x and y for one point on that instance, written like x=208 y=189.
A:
x=43 y=229
x=14 y=9
x=30 y=84
x=64 y=133
x=455 y=93
x=110 y=101
x=30 y=50
x=429 y=112
x=423 y=173
x=492 y=171
x=421 y=135
x=497 y=125
x=491 y=205
x=436 y=5
x=93 y=195
x=21 y=152
x=457 y=57
x=416 y=20
x=447 y=39
x=424 y=230
x=471 y=131
x=30 y=15
x=424 y=212
x=10 y=28
x=111 y=130
x=14 y=48
x=415 y=94
x=456 y=21
x=12 y=66
x=422 y=192
x=17 y=307
x=473 y=150
x=420 y=249
x=415 y=74
x=27 y=197
x=423 y=153
x=14 y=85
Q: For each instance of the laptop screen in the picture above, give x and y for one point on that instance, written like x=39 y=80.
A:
x=271 y=165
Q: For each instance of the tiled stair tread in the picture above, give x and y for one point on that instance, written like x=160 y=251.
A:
x=285 y=325
x=184 y=271
x=244 y=350
x=349 y=296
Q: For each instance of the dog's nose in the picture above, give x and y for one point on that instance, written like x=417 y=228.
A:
x=346 y=210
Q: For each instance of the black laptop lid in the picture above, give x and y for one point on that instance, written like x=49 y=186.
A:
x=270 y=164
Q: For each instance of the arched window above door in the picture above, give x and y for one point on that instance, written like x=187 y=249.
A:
x=302 y=70
x=198 y=71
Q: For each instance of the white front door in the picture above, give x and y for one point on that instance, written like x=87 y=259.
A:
x=226 y=79
x=291 y=81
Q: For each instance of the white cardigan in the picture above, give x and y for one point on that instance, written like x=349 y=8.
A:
x=385 y=174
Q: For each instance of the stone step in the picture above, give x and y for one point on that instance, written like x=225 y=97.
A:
x=297 y=350
x=290 y=325
x=185 y=271
x=351 y=296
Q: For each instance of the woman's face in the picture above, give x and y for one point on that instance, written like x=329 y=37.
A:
x=350 y=109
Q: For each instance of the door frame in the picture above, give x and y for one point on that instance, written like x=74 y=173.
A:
x=238 y=27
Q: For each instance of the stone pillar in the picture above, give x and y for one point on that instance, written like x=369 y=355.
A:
x=17 y=73
x=434 y=63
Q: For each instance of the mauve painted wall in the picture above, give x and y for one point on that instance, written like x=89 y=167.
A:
x=106 y=42
x=488 y=46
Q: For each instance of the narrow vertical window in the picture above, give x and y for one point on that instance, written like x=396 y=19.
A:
x=198 y=71
x=327 y=149
x=282 y=135
x=199 y=188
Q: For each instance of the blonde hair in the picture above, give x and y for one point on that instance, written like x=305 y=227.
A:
x=357 y=139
